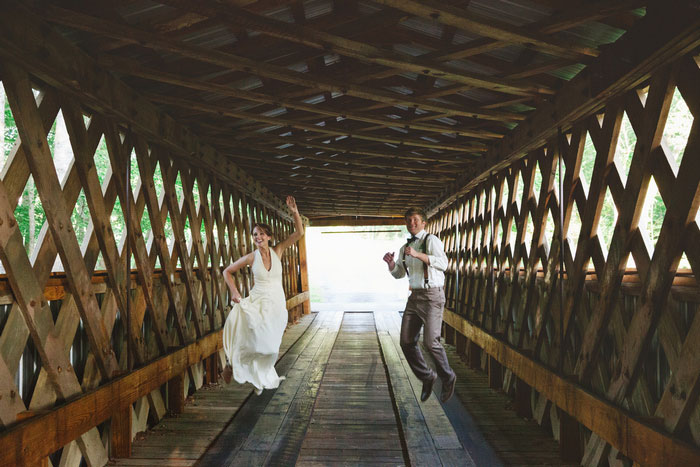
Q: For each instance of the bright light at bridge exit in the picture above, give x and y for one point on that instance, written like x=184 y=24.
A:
x=346 y=270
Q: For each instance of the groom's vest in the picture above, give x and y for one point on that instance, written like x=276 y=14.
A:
x=421 y=248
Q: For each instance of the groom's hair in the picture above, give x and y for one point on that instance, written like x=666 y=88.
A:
x=414 y=210
x=264 y=227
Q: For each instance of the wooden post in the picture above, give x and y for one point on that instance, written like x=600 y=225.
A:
x=474 y=355
x=570 y=447
x=449 y=335
x=176 y=394
x=211 y=368
x=121 y=432
x=461 y=344
x=523 y=392
x=214 y=359
x=495 y=373
x=304 y=272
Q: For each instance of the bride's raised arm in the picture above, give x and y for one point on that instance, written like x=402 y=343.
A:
x=298 y=228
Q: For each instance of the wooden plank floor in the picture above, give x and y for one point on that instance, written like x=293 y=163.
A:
x=353 y=420
x=430 y=438
x=181 y=440
x=349 y=399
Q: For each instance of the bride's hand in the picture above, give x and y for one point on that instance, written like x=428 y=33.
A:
x=292 y=203
x=236 y=297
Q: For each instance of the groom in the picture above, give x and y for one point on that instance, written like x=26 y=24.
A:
x=423 y=259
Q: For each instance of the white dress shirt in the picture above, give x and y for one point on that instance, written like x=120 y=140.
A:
x=436 y=269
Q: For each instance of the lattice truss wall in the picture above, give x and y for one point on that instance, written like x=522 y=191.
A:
x=627 y=210
x=68 y=229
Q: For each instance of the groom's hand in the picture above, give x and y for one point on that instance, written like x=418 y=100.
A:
x=389 y=259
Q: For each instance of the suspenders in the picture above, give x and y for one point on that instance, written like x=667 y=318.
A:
x=422 y=249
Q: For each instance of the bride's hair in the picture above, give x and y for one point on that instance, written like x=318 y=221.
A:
x=264 y=227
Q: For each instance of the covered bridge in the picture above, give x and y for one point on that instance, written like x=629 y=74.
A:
x=554 y=144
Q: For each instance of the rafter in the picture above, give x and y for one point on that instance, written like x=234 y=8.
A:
x=331 y=149
x=257 y=161
x=468 y=21
x=253 y=151
x=321 y=40
x=355 y=133
x=318 y=188
x=99 y=26
x=322 y=172
x=132 y=68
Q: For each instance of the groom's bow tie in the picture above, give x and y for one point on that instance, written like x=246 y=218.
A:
x=409 y=240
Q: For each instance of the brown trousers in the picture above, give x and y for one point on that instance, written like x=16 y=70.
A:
x=424 y=309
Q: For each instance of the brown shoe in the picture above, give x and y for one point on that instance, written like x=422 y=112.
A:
x=448 y=389
x=427 y=388
x=227 y=374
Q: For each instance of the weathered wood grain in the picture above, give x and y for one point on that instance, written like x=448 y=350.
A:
x=600 y=416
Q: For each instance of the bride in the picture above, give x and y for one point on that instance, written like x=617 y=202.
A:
x=254 y=327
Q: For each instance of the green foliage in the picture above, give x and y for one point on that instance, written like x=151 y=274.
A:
x=537 y=182
x=677 y=128
x=587 y=162
x=80 y=217
x=102 y=165
x=606 y=224
x=30 y=215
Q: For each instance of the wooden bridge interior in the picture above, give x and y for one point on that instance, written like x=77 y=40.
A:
x=554 y=144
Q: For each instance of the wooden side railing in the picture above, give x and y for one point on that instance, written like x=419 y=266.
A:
x=43 y=432
x=115 y=226
x=574 y=275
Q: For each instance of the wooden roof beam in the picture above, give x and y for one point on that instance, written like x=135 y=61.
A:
x=277 y=178
x=349 y=206
x=346 y=212
x=322 y=189
x=340 y=221
x=262 y=152
x=330 y=174
x=468 y=21
x=455 y=89
x=133 y=68
x=355 y=133
x=248 y=160
x=179 y=23
x=324 y=41
x=79 y=21
x=352 y=190
x=558 y=22
x=489 y=129
x=331 y=148
x=586 y=13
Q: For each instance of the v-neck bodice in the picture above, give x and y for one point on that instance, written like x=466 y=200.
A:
x=267 y=278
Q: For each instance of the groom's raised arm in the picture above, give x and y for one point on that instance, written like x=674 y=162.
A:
x=394 y=268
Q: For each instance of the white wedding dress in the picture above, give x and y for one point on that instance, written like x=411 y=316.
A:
x=254 y=327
